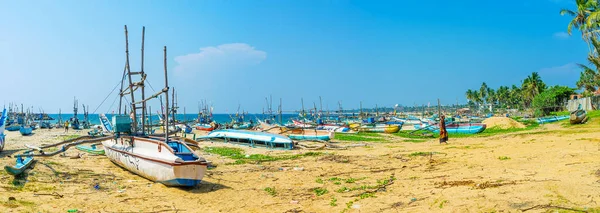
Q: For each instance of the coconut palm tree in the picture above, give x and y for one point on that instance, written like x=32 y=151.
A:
x=483 y=90
x=585 y=18
x=515 y=96
x=531 y=87
x=588 y=80
x=502 y=95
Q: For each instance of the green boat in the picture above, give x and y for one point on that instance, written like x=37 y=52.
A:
x=90 y=149
x=20 y=167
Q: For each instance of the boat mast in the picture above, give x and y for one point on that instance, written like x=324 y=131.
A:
x=142 y=83
x=166 y=91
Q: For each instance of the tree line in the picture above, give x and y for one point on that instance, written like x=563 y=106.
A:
x=533 y=93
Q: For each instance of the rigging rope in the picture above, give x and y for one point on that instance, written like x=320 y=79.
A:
x=113 y=103
x=113 y=90
x=150 y=85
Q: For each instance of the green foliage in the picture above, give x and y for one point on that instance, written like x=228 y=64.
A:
x=319 y=180
x=414 y=154
x=551 y=99
x=68 y=137
x=503 y=158
x=320 y=191
x=333 y=202
x=271 y=191
x=414 y=140
x=406 y=134
x=241 y=158
x=361 y=136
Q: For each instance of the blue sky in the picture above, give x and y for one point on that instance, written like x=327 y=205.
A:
x=239 y=52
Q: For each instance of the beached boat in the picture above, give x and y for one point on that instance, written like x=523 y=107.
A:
x=242 y=125
x=92 y=149
x=171 y=163
x=467 y=128
x=164 y=160
x=552 y=119
x=301 y=124
x=3 y=118
x=46 y=125
x=205 y=127
x=14 y=127
x=578 y=117
x=185 y=128
x=105 y=123
x=250 y=138
x=310 y=134
x=25 y=130
x=333 y=128
x=385 y=128
x=21 y=165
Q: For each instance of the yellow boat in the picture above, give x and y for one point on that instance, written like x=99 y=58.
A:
x=391 y=129
x=379 y=128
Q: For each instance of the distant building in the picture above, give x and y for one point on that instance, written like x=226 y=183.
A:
x=576 y=96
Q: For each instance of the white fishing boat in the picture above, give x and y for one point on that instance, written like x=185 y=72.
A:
x=161 y=159
x=172 y=163
x=250 y=138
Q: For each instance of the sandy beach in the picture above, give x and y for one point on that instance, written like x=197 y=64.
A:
x=522 y=171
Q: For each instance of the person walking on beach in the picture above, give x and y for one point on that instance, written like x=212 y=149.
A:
x=443 y=132
x=67 y=126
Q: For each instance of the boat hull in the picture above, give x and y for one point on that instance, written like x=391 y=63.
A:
x=26 y=130
x=578 y=117
x=552 y=119
x=251 y=138
x=13 y=128
x=20 y=167
x=463 y=128
x=91 y=150
x=154 y=160
x=379 y=128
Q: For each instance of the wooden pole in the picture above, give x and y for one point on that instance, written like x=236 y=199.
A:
x=142 y=85
x=166 y=90
x=133 y=110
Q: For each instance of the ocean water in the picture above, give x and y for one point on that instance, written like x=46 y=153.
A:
x=220 y=118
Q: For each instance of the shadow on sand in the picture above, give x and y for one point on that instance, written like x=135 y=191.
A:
x=205 y=187
x=20 y=180
x=9 y=153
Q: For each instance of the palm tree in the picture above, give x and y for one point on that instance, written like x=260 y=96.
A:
x=502 y=96
x=588 y=80
x=515 y=95
x=532 y=86
x=584 y=18
x=483 y=90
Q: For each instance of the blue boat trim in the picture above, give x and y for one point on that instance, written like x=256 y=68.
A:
x=181 y=182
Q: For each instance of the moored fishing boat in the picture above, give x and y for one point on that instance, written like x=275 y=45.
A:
x=205 y=127
x=310 y=134
x=3 y=118
x=14 y=127
x=164 y=160
x=385 y=128
x=578 y=117
x=250 y=138
x=455 y=128
x=92 y=149
x=171 y=163
x=333 y=128
x=552 y=119
x=21 y=165
x=25 y=130
x=105 y=123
